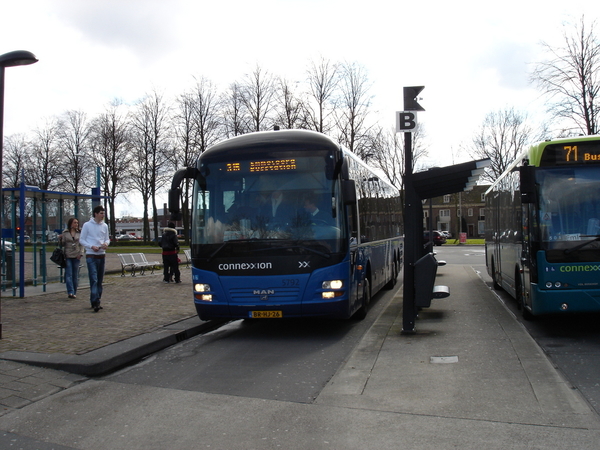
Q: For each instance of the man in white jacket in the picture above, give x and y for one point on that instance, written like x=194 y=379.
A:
x=95 y=239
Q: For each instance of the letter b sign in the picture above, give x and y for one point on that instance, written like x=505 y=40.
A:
x=405 y=121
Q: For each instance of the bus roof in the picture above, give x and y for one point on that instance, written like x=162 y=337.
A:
x=534 y=153
x=305 y=139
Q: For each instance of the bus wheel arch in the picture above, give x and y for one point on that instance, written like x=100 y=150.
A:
x=520 y=296
x=495 y=283
x=361 y=312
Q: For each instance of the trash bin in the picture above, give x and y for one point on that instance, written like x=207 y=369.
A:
x=8 y=263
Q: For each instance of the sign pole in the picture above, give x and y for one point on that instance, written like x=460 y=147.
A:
x=413 y=235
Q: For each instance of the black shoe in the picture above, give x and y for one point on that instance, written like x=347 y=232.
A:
x=96 y=309
x=178 y=281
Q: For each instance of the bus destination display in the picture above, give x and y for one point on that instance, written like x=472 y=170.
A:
x=572 y=153
x=277 y=165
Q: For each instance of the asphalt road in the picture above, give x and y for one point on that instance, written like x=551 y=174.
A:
x=572 y=342
x=287 y=360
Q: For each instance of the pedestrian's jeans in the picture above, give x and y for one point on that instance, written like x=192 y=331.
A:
x=72 y=275
x=96 y=273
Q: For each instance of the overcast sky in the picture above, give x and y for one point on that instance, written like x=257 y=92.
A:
x=472 y=57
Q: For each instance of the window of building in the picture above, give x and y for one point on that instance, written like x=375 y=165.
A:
x=447 y=198
x=470 y=212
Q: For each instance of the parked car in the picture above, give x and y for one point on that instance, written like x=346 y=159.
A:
x=438 y=238
x=446 y=234
x=124 y=237
x=7 y=245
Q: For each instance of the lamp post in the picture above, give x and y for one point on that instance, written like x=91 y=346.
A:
x=10 y=59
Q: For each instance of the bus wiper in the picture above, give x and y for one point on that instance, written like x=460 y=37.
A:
x=312 y=250
x=580 y=246
x=223 y=245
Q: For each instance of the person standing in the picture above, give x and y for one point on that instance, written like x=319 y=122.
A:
x=170 y=248
x=69 y=239
x=95 y=239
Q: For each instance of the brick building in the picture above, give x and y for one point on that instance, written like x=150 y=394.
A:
x=448 y=210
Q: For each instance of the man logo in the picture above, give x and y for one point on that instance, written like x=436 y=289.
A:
x=263 y=293
x=303 y=264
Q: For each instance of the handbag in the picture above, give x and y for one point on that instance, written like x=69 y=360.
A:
x=58 y=257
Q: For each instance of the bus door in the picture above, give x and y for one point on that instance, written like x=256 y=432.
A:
x=527 y=262
x=355 y=292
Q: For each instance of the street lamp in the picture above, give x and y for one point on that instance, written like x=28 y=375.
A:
x=10 y=59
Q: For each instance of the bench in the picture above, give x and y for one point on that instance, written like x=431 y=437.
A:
x=188 y=257
x=136 y=261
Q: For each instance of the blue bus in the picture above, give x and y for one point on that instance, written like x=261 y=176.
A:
x=542 y=236
x=288 y=224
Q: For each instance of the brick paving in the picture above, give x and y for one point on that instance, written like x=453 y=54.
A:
x=53 y=323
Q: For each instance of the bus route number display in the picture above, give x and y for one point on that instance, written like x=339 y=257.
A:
x=276 y=165
x=574 y=153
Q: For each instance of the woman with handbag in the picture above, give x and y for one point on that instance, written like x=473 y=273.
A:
x=69 y=240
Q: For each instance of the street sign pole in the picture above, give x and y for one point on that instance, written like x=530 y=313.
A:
x=412 y=229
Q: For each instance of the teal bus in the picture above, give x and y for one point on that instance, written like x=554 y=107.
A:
x=288 y=224
x=542 y=227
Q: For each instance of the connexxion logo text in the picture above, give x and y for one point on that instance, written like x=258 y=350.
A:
x=246 y=266
x=586 y=268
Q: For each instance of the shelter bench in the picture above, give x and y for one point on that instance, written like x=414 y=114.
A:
x=136 y=261
x=188 y=257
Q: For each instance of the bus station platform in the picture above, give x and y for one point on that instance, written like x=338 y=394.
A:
x=471 y=377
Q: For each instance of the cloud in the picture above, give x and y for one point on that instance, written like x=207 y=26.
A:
x=146 y=28
x=511 y=62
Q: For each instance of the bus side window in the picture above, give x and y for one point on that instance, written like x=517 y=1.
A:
x=353 y=224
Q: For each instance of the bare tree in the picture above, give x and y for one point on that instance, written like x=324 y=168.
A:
x=289 y=110
x=111 y=150
x=385 y=150
x=501 y=138
x=45 y=162
x=206 y=109
x=73 y=134
x=571 y=78
x=234 y=112
x=322 y=77
x=149 y=131
x=16 y=159
x=353 y=108
x=257 y=96
x=198 y=125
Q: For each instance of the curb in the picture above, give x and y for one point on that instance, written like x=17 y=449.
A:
x=114 y=356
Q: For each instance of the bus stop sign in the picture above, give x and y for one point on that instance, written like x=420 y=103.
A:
x=406 y=121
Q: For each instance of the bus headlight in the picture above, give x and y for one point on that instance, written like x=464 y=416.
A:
x=202 y=287
x=332 y=284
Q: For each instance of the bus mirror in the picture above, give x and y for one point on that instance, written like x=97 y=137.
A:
x=349 y=192
x=527 y=175
x=174 y=196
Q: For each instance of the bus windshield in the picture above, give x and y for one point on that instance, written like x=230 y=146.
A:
x=268 y=200
x=569 y=206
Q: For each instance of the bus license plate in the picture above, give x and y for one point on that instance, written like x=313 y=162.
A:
x=266 y=314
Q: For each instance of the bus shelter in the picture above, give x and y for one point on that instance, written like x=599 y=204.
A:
x=32 y=220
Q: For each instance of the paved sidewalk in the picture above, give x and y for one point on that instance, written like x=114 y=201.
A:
x=140 y=315
x=471 y=377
